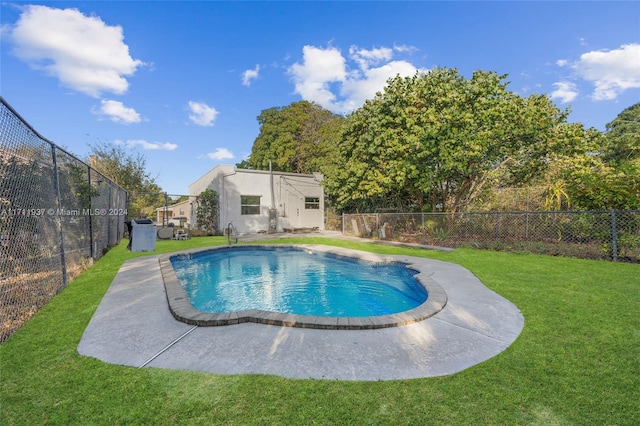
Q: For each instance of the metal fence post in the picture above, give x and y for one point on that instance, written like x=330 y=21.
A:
x=614 y=243
x=92 y=249
x=56 y=180
x=108 y=218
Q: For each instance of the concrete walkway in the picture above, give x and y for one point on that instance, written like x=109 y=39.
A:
x=133 y=326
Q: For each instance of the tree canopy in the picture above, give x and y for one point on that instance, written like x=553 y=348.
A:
x=298 y=138
x=430 y=141
x=606 y=175
x=623 y=136
x=128 y=170
x=438 y=141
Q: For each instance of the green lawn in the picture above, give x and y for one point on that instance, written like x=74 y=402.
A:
x=576 y=361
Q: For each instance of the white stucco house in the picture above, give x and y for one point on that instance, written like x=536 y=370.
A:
x=179 y=214
x=264 y=201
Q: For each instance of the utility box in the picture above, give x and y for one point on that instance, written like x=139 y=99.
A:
x=273 y=221
x=142 y=236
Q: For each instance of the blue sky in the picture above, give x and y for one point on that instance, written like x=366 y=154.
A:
x=183 y=82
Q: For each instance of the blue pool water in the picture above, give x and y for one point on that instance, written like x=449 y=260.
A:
x=296 y=281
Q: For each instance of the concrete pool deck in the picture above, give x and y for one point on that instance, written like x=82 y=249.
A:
x=133 y=326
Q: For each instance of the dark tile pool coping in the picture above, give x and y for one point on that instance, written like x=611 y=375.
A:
x=183 y=310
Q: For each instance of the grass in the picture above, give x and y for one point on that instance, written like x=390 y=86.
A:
x=576 y=361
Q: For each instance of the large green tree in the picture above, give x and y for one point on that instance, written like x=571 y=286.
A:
x=300 y=138
x=623 y=136
x=585 y=169
x=606 y=175
x=127 y=168
x=430 y=141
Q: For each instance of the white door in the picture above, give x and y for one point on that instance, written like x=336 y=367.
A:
x=311 y=215
x=293 y=209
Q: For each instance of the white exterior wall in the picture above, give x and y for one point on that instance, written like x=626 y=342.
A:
x=289 y=191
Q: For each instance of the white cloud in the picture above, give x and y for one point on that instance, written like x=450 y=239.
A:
x=610 y=71
x=202 y=114
x=249 y=75
x=220 y=154
x=319 y=68
x=83 y=52
x=364 y=86
x=117 y=112
x=147 y=145
x=562 y=62
x=325 y=78
x=366 y=58
x=404 y=48
x=566 y=91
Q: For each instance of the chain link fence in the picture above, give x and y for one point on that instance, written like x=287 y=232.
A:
x=57 y=215
x=611 y=235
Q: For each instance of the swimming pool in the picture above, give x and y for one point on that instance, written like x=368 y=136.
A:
x=303 y=286
x=296 y=281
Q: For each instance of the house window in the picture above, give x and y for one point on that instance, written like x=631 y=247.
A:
x=312 y=203
x=249 y=204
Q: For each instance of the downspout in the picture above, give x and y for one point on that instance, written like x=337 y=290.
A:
x=273 y=196
x=224 y=199
x=273 y=213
